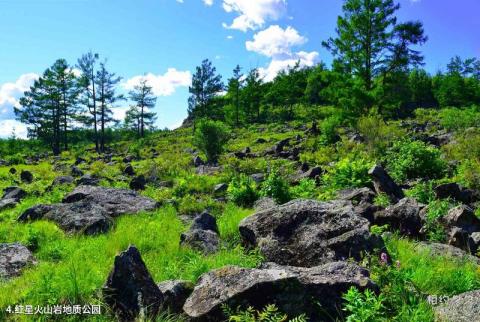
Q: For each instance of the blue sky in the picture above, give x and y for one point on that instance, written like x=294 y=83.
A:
x=166 y=39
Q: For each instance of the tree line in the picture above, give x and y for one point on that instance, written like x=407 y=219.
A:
x=377 y=66
x=66 y=98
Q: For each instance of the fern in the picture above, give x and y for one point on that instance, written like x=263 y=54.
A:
x=270 y=313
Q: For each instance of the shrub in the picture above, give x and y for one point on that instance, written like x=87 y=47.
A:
x=306 y=189
x=276 y=187
x=328 y=129
x=363 y=307
x=423 y=192
x=413 y=160
x=210 y=138
x=432 y=227
x=455 y=118
x=349 y=172
x=468 y=173
x=378 y=134
x=242 y=190
x=269 y=314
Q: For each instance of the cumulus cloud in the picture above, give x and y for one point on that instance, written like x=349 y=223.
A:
x=208 y=2
x=305 y=59
x=275 y=41
x=8 y=127
x=162 y=85
x=10 y=93
x=253 y=14
x=278 y=43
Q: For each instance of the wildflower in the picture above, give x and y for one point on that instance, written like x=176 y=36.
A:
x=384 y=259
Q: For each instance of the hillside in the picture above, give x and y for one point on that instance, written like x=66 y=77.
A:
x=408 y=231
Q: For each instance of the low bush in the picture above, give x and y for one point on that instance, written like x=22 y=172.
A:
x=242 y=190
x=349 y=172
x=413 y=160
x=276 y=187
x=210 y=138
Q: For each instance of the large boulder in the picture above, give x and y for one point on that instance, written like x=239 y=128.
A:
x=14 y=193
x=362 y=200
x=138 y=183
x=89 y=210
x=456 y=192
x=7 y=203
x=403 y=216
x=308 y=233
x=460 y=223
x=116 y=202
x=175 y=294
x=384 y=183
x=26 y=176
x=438 y=249
x=464 y=307
x=293 y=290
x=130 y=289
x=13 y=259
x=62 y=180
x=203 y=234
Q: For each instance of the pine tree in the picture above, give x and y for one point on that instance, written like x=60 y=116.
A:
x=206 y=85
x=234 y=86
x=50 y=106
x=106 y=99
x=142 y=96
x=86 y=64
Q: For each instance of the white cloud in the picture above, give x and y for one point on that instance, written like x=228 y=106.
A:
x=180 y=1
x=7 y=127
x=275 y=41
x=253 y=14
x=162 y=85
x=119 y=113
x=10 y=93
x=305 y=59
x=207 y=2
x=229 y=37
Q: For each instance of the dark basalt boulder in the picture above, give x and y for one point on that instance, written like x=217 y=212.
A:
x=205 y=221
x=293 y=290
x=14 y=193
x=312 y=173
x=26 y=176
x=464 y=307
x=403 y=216
x=129 y=171
x=12 y=171
x=76 y=172
x=7 y=203
x=138 y=183
x=175 y=293
x=13 y=259
x=383 y=183
x=130 y=288
x=202 y=235
x=88 y=180
x=220 y=188
x=438 y=249
x=456 y=192
x=197 y=161
x=116 y=202
x=62 y=180
x=205 y=241
x=308 y=233
x=89 y=210
x=460 y=223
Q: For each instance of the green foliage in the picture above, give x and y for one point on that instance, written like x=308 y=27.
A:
x=349 y=172
x=414 y=159
x=242 y=190
x=276 y=187
x=423 y=192
x=435 y=211
x=306 y=189
x=210 y=138
x=468 y=173
x=455 y=119
x=363 y=307
x=382 y=200
x=269 y=314
x=378 y=134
